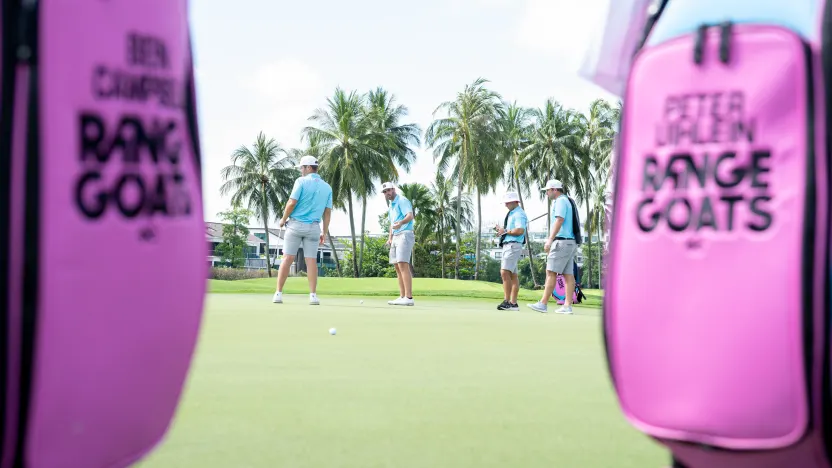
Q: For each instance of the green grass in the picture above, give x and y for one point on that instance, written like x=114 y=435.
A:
x=448 y=383
x=387 y=287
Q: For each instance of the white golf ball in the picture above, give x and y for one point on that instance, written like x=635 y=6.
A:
x=332 y=331
x=362 y=301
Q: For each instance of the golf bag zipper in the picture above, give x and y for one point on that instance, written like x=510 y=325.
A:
x=826 y=386
x=7 y=87
x=27 y=56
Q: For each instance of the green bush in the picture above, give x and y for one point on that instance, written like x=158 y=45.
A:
x=233 y=274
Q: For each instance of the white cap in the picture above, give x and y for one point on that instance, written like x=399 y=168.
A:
x=511 y=197
x=387 y=185
x=552 y=184
x=308 y=161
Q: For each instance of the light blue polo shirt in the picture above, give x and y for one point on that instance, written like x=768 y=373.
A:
x=399 y=208
x=313 y=196
x=563 y=209
x=517 y=219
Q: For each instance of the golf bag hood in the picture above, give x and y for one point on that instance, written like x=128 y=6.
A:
x=102 y=241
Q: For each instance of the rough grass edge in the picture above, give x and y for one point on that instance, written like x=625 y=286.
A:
x=592 y=300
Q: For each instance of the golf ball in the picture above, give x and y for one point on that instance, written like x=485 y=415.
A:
x=362 y=301
x=331 y=331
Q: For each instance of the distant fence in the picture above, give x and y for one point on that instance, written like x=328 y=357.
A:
x=260 y=264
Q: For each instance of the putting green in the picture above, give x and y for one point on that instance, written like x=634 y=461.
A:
x=447 y=383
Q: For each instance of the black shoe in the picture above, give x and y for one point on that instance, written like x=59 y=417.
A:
x=513 y=307
x=504 y=306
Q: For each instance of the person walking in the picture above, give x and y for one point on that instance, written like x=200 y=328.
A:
x=512 y=238
x=561 y=247
x=401 y=240
x=309 y=203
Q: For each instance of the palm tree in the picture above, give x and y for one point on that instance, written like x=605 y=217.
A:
x=482 y=172
x=598 y=133
x=553 y=142
x=345 y=142
x=391 y=138
x=456 y=138
x=441 y=191
x=261 y=178
x=423 y=205
x=515 y=128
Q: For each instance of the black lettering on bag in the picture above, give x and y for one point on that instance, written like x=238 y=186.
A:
x=132 y=168
x=732 y=183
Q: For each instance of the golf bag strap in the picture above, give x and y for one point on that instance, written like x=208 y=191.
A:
x=657 y=9
x=505 y=226
x=576 y=221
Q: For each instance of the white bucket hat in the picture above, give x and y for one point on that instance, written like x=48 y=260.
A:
x=511 y=197
x=308 y=161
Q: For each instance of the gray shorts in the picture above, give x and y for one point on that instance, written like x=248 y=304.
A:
x=511 y=255
x=561 y=258
x=306 y=235
x=402 y=247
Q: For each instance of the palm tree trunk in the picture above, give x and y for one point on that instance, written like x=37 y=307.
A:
x=589 y=224
x=528 y=237
x=363 y=224
x=335 y=254
x=458 y=226
x=265 y=215
x=354 y=245
x=479 y=235
x=441 y=235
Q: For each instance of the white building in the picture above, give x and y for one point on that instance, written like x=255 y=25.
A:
x=256 y=247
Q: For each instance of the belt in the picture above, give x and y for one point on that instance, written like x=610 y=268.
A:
x=564 y=238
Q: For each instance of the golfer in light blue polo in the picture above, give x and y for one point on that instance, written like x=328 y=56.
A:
x=561 y=247
x=401 y=242
x=512 y=238
x=309 y=203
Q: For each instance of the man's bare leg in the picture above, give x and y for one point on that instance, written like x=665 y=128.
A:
x=570 y=290
x=400 y=277
x=515 y=288
x=551 y=279
x=507 y=285
x=283 y=272
x=406 y=279
x=312 y=274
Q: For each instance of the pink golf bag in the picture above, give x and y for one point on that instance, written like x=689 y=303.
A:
x=102 y=247
x=721 y=192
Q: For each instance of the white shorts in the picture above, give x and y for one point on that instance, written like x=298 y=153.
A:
x=511 y=255
x=402 y=247
x=306 y=235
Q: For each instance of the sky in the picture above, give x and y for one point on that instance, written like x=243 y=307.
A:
x=266 y=65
